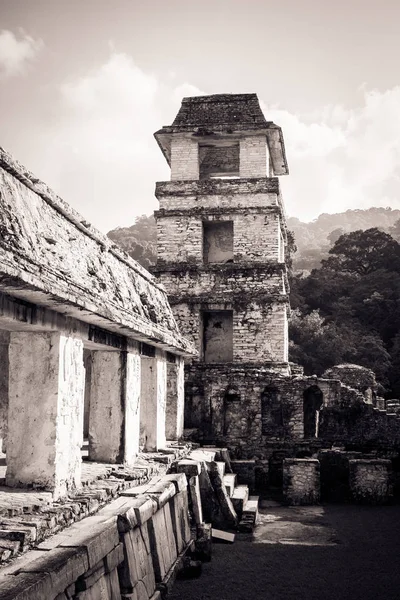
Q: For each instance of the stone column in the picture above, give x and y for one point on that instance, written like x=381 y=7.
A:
x=132 y=407
x=175 y=399
x=106 y=415
x=45 y=414
x=114 y=406
x=153 y=399
x=4 y=342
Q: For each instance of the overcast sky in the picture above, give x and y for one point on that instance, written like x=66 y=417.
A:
x=85 y=83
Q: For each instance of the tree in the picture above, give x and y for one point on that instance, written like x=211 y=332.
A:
x=362 y=252
x=318 y=344
x=334 y=235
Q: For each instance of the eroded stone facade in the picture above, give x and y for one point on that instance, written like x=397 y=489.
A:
x=221 y=257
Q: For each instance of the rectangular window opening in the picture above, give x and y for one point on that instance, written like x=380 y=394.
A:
x=219 y=161
x=218 y=336
x=218 y=241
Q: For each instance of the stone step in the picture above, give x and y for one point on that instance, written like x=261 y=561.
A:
x=221 y=454
x=250 y=515
x=221 y=468
x=230 y=481
x=203 y=454
x=239 y=498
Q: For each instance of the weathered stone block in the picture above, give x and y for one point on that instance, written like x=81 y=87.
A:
x=162 y=492
x=189 y=467
x=370 y=481
x=137 y=568
x=178 y=479
x=64 y=565
x=180 y=519
x=97 y=539
x=195 y=497
x=301 y=481
x=162 y=542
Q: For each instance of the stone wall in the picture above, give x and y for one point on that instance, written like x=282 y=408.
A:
x=257 y=331
x=132 y=548
x=370 y=481
x=256 y=234
x=360 y=426
x=184 y=158
x=356 y=377
x=253 y=156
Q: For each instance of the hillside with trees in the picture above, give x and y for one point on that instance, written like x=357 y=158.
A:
x=314 y=239
x=139 y=240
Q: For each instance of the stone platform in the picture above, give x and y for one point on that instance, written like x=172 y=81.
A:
x=29 y=516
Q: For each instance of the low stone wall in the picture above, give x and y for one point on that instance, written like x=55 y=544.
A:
x=301 y=481
x=131 y=549
x=370 y=481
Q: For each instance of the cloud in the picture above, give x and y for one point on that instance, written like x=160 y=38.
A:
x=342 y=158
x=99 y=152
x=101 y=155
x=185 y=90
x=16 y=54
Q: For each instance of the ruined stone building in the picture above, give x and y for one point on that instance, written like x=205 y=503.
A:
x=88 y=342
x=221 y=256
x=222 y=259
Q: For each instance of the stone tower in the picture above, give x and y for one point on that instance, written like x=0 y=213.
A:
x=221 y=257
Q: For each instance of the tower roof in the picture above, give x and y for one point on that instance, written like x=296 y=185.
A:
x=223 y=116
x=220 y=109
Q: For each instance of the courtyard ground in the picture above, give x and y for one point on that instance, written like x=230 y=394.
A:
x=308 y=553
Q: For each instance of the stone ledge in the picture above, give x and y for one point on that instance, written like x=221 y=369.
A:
x=211 y=187
x=47 y=524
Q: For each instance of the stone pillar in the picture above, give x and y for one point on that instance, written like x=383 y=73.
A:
x=132 y=407
x=45 y=414
x=87 y=362
x=4 y=342
x=175 y=399
x=106 y=416
x=153 y=399
x=114 y=407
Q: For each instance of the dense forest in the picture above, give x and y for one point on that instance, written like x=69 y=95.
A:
x=345 y=289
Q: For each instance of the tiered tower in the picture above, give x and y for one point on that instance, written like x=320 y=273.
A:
x=221 y=257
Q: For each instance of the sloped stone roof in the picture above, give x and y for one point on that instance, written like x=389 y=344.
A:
x=220 y=109
x=52 y=257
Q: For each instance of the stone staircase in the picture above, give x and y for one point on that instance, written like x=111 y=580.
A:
x=244 y=505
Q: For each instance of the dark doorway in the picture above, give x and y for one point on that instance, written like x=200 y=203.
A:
x=271 y=412
x=312 y=403
x=231 y=412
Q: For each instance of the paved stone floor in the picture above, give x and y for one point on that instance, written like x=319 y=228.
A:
x=309 y=553
x=15 y=498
